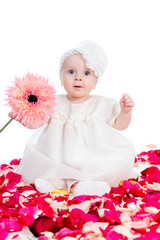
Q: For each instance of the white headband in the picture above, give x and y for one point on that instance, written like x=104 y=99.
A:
x=96 y=59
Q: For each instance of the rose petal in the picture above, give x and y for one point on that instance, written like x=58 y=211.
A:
x=5 y=167
x=112 y=235
x=67 y=232
x=45 y=207
x=26 y=216
x=94 y=227
x=42 y=224
x=10 y=225
x=3 y=234
x=154 y=157
x=13 y=179
x=112 y=216
x=151 y=174
x=43 y=238
x=15 y=162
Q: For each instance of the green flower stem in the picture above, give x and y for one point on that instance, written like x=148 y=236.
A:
x=6 y=125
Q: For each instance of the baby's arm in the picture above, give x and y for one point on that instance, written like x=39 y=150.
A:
x=124 y=118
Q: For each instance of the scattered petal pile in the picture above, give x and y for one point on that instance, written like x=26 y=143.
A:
x=129 y=211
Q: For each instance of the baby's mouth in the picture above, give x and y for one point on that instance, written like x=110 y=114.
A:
x=78 y=86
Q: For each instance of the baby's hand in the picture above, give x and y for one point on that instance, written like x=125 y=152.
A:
x=11 y=115
x=30 y=125
x=126 y=103
x=14 y=116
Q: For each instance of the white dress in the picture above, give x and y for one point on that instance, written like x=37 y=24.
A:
x=79 y=144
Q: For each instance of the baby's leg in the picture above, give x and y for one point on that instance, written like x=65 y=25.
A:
x=44 y=185
x=91 y=188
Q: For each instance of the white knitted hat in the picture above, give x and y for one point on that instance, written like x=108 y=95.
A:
x=96 y=59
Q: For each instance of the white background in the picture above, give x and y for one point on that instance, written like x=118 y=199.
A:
x=35 y=33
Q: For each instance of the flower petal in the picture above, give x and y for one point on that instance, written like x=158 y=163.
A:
x=42 y=224
x=3 y=234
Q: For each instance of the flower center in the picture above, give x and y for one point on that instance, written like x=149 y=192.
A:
x=32 y=98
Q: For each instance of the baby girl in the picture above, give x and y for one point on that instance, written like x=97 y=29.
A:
x=80 y=148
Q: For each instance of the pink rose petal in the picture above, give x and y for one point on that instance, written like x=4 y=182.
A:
x=43 y=238
x=10 y=225
x=3 y=234
x=154 y=157
x=141 y=225
x=149 y=236
x=67 y=232
x=26 y=216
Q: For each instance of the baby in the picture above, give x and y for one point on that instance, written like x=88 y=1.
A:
x=79 y=149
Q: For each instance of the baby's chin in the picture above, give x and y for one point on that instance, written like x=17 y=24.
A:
x=77 y=98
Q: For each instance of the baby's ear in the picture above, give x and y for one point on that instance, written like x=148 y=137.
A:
x=95 y=83
x=61 y=79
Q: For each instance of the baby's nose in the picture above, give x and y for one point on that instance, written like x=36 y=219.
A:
x=78 y=78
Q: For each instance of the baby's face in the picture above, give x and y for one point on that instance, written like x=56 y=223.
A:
x=77 y=79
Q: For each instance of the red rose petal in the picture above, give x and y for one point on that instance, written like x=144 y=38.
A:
x=2 y=178
x=13 y=179
x=151 y=174
x=41 y=225
x=112 y=216
x=15 y=162
x=45 y=207
x=4 y=167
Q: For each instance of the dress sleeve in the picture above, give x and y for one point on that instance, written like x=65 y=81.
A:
x=111 y=109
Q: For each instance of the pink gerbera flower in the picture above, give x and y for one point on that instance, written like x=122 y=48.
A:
x=32 y=99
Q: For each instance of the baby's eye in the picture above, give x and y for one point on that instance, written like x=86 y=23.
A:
x=70 y=71
x=87 y=73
